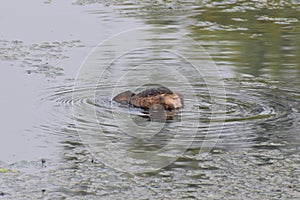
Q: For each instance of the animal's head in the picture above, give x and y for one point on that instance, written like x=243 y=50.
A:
x=173 y=101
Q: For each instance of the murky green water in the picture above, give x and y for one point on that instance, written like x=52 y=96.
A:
x=235 y=62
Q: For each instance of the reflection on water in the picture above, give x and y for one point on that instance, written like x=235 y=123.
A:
x=259 y=42
x=255 y=45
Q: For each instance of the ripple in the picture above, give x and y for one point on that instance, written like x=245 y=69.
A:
x=254 y=107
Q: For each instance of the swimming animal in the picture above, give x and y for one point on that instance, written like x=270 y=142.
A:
x=152 y=99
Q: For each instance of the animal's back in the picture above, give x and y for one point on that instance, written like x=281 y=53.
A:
x=154 y=92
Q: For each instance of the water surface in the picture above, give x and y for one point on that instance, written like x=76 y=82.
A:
x=63 y=137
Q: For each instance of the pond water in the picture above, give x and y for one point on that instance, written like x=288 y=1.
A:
x=236 y=63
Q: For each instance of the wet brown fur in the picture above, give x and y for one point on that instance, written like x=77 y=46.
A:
x=147 y=98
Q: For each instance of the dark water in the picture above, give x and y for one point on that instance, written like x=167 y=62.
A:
x=236 y=63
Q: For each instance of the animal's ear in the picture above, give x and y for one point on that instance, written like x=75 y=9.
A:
x=124 y=97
